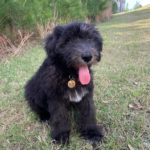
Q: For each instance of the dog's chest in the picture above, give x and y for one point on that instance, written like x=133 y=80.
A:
x=76 y=95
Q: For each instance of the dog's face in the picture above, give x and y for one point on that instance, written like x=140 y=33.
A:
x=77 y=52
x=75 y=45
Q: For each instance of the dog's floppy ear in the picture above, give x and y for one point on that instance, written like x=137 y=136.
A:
x=51 y=40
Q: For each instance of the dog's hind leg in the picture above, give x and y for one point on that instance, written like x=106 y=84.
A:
x=42 y=113
x=37 y=100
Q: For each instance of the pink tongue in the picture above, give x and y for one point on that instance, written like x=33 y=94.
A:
x=84 y=75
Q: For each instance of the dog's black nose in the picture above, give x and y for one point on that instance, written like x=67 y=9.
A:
x=87 y=58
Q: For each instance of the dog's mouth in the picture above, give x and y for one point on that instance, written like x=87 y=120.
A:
x=82 y=68
x=84 y=75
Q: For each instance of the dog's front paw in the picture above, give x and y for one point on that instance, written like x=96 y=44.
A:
x=94 y=134
x=61 y=138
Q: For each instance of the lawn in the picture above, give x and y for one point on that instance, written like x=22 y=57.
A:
x=122 y=91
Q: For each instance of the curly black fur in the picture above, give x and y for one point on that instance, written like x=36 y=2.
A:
x=68 y=47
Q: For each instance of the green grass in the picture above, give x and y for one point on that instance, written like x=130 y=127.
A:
x=122 y=78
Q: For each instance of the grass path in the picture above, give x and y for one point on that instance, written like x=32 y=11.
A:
x=122 y=91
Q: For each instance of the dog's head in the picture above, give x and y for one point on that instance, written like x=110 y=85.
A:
x=76 y=45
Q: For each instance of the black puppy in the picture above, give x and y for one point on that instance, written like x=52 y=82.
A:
x=64 y=81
